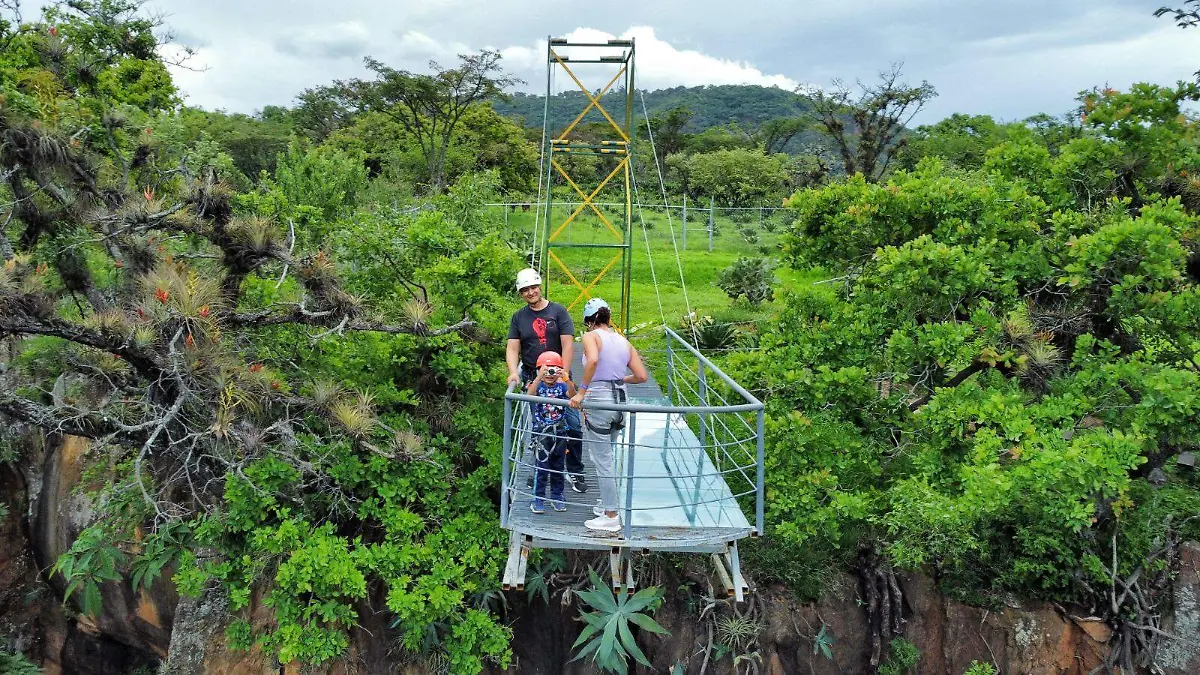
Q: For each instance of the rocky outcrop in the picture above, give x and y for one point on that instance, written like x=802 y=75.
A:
x=46 y=511
x=1182 y=657
x=50 y=509
x=1036 y=639
x=29 y=616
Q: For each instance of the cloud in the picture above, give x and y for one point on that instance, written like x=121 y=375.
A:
x=415 y=46
x=1015 y=84
x=343 y=40
x=1007 y=59
x=186 y=38
x=658 y=64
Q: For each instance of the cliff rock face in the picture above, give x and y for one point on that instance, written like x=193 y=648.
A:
x=46 y=511
x=1179 y=657
x=28 y=608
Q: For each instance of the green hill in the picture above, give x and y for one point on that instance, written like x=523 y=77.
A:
x=749 y=106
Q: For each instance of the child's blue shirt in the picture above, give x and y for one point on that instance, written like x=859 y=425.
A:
x=544 y=414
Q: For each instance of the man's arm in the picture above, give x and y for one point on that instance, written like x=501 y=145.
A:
x=512 y=357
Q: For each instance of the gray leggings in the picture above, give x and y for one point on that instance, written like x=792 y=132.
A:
x=600 y=446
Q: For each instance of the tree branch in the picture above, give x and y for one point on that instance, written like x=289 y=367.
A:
x=94 y=425
x=298 y=315
x=958 y=379
x=145 y=363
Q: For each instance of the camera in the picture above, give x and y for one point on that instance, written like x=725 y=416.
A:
x=552 y=371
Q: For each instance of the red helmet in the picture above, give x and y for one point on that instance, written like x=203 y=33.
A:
x=549 y=359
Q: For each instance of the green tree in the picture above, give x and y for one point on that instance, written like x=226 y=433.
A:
x=962 y=140
x=867 y=127
x=253 y=142
x=997 y=386
x=774 y=135
x=319 y=112
x=429 y=106
x=736 y=177
x=274 y=423
x=1186 y=16
x=669 y=132
x=723 y=137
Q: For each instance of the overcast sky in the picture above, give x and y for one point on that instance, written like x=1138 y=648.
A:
x=1007 y=59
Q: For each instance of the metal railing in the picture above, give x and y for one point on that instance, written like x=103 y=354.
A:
x=711 y=443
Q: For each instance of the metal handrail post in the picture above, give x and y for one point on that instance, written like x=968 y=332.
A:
x=508 y=416
x=700 y=452
x=703 y=403
x=760 y=488
x=670 y=371
x=628 y=525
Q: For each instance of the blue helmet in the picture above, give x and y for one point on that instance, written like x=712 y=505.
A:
x=592 y=306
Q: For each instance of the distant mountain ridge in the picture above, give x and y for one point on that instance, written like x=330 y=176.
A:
x=711 y=105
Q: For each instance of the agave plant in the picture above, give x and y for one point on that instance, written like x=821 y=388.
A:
x=716 y=336
x=609 y=640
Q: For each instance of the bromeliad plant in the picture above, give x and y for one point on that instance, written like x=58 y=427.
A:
x=609 y=640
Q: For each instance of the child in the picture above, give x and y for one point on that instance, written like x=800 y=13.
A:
x=550 y=426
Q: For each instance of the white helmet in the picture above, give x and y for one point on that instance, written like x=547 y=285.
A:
x=528 y=277
x=592 y=306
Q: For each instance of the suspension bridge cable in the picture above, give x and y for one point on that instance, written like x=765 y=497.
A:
x=667 y=208
x=537 y=207
x=649 y=256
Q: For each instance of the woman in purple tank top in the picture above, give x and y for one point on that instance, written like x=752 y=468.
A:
x=607 y=357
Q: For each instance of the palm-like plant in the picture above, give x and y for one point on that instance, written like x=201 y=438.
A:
x=609 y=640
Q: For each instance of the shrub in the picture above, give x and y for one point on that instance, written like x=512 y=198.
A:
x=752 y=278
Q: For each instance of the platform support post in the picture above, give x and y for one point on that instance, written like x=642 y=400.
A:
x=508 y=418
x=735 y=573
x=514 y=561
x=629 y=460
x=723 y=575
x=614 y=566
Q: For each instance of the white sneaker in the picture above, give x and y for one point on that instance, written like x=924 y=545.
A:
x=603 y=523
x=597 y=509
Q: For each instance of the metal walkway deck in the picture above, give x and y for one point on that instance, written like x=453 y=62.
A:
x=694 y=514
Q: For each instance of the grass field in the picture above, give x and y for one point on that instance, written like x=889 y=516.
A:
x=737 y=233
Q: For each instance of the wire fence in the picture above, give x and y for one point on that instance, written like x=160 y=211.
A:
x=700 y=226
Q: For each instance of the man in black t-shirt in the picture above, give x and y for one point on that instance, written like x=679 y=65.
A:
x=542 y=326
x=537 y=327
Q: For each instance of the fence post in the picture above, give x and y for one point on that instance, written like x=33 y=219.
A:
x=685 y=221
x=506 y=210
x=711 y=202
x=628 y=525
x=508 y=415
